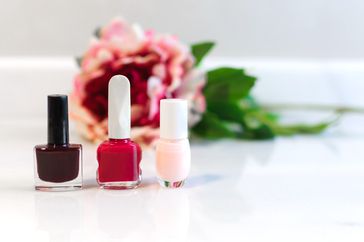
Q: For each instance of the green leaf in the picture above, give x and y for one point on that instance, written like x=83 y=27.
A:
x=79 y=60
x=255 y=128
x=226 y=110
x=228 y=83
x=263 y=132
x=97 y=32
x=248 y=103
x=200 y=50
x=231 y=112
x=211 y=127
x=235 y=111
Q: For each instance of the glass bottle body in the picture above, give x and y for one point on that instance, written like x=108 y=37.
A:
x=119 y=164
x=173 y=161
x=58 y=167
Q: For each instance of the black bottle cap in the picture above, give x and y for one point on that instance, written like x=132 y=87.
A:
x=57 y=119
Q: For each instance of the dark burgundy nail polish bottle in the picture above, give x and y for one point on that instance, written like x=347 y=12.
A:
x=58 y=164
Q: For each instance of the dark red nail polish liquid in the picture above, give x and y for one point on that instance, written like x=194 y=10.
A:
x=58 y=164
x=119 y=157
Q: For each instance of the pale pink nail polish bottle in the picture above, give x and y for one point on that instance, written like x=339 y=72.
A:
x=173 y=155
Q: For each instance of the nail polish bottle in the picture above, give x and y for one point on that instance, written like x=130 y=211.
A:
x=58 y=164
x=119 y=157
x=173 y=155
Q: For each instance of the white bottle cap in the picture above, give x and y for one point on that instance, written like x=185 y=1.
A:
x=119 y=107
x=173 y=119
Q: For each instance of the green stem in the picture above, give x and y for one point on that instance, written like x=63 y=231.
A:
x=291 y=129
x=314 y=107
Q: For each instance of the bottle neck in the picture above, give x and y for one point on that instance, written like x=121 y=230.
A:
x=113 y=140
x=58 y=145
x=58 y=120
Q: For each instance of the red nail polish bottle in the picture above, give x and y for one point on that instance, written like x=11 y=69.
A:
x=58 y=164
x=119 y=157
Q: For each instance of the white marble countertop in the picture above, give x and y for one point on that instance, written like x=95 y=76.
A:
x=303 y=188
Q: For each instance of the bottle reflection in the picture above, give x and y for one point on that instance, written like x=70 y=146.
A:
x=259 y=152
x=123 y=215
x=171 y=215
x=221 y=204
x=57 y=214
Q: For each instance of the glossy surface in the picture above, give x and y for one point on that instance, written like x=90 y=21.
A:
x=303 y=188
x=119 y=163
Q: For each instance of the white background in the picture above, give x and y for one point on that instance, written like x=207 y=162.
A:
x=249 y=28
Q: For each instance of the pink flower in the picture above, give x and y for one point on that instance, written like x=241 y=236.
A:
x=158 y=66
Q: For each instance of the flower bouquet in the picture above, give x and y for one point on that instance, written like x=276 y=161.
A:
x=160 y=66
